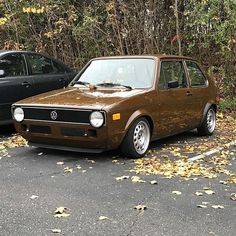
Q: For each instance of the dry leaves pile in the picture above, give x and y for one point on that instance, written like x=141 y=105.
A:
x=12 y=142
x=168 y=168
x=225 y=133
x=184 y=168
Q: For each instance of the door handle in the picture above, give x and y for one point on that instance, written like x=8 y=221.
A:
x=62 y=79
x=26 y=84
x=188 y=93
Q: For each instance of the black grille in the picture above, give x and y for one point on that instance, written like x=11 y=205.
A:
x=44 y=114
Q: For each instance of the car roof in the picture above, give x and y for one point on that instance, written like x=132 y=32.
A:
x=147 y=56
x=2 y=52
x=5 y=52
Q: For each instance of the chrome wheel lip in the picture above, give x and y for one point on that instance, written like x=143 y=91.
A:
x=211 y=120
x=141 y=137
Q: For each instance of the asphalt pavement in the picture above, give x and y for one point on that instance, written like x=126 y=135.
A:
x=34 y=182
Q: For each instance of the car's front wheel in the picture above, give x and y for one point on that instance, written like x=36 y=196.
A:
x=137 y=139
x=209 y=123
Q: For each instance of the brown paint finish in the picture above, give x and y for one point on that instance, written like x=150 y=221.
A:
x=169 y=111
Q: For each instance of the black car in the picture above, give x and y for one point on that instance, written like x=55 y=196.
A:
x=24 y=74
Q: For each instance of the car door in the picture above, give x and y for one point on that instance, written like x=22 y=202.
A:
x=198 y=86
x=46 y=73
x=172 y=103
x=15 y=84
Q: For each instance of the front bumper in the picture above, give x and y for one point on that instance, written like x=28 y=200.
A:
x=56 y=135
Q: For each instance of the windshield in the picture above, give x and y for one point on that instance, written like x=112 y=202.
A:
x=136 y=73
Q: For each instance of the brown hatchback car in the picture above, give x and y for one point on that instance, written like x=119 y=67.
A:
x=121 y=102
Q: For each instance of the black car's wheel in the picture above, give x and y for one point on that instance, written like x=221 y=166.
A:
x=137 y=139
x=209 y=123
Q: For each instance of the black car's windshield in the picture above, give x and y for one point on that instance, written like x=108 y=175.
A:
x=129 y=73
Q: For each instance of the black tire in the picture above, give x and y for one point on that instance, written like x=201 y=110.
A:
x=208 y=125
x=130 y=144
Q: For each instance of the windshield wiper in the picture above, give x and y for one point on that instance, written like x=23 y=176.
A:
x=114 y=85
x=82 y=83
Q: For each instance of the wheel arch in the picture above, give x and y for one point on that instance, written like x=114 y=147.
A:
x=208 y=105
x=139 y=114
x=126 y=147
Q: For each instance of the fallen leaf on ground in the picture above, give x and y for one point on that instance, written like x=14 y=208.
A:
x=68 y=170
x=202 y=206
x=206 y=188
x=61 y=212
x=60 y=163
x=211 y=232
x=153 y=182
x=137 y=179
x=233 y=196
x=91 y=161
x=103 y=218
x=209 y=192
x=198 y=193
x=56 y=231
x=34 y=197
x=231 y=180
x=140 y=207
x=122 y=177
x=205 y=202
x=62 y=215
x=176 y=192
x=78 y=167
x=217 y=206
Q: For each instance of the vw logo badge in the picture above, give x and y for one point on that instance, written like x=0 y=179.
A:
x=53 y=115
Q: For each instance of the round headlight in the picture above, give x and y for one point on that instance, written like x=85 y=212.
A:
x=18 y=114
x=96 y=119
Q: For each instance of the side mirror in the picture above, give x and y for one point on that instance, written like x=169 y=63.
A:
x=173 y=84
x=2 y=73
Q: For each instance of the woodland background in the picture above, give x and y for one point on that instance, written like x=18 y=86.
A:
x=74 y=31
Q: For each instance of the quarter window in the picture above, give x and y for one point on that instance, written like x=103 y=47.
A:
x=195 y=74
x=172 y=71
x=13 y=65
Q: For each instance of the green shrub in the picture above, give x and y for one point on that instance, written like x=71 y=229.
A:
x=228 y=104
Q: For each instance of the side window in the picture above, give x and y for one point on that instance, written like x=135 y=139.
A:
x=13 y=65
x=40 y=64
x=172 y=71
x=195 y=74
x=58 y=68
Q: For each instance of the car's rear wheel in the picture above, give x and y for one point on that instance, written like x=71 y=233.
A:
x=137 y=139
x=209 y=123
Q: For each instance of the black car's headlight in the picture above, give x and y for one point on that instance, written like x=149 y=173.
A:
x=96 y=119
x=18 y=114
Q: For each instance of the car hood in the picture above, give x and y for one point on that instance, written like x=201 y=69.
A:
x=82 y=98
